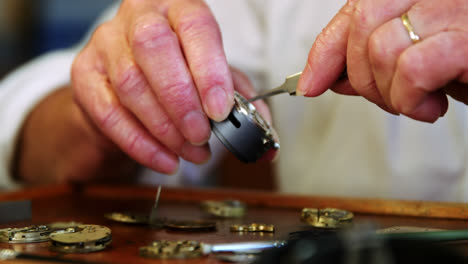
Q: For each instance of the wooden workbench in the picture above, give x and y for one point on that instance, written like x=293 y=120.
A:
x=88 y=204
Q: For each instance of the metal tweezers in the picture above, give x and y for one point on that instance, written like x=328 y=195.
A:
x=289 y=86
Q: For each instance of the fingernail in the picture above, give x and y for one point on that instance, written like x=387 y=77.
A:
x=305 y=79
x=165 y=164
x=216 y=104
x=196 y=128
x=196 y=154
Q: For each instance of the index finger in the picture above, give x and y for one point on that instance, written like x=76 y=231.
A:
x=200 y=38
x=327 y=57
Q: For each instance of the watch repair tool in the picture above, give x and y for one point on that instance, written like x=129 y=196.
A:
x=154 y=211
x=30 y=234
x=327 y=218
x=254 y=227
x=190 y=226
x=192 y=249
x=289 y=86
x=224 y=209
x=245 y=133
x=128 y=218
x=81 y=239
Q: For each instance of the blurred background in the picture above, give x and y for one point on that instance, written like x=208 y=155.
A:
x=29 y=28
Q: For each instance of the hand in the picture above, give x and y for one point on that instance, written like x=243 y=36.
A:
x=58 y=143
x=384 y=65
x=151 y=77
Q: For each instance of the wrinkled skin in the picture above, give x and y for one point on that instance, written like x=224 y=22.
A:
x=151 y=77
x=383 y=64
x=142 y=90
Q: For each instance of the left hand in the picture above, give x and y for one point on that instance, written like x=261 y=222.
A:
x=383 y=63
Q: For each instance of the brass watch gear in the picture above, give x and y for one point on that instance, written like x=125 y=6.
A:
x=224 y=209
x=327 y=218
x=254 y=227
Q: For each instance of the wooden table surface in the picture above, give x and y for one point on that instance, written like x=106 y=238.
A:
x=88 y=204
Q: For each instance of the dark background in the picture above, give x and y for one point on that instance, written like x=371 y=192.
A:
x=29 y=28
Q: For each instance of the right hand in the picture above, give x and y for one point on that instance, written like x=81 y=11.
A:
x=150 y=78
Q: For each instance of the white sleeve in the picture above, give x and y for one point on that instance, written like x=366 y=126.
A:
x=19 y=94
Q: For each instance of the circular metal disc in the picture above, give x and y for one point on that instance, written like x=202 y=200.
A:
x=195 y=225
x=81 y=239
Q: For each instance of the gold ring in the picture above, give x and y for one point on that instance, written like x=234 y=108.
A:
x=406 y=22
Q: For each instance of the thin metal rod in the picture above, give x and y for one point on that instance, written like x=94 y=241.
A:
x=154 y=210
x=268 y=94
x=290 y=85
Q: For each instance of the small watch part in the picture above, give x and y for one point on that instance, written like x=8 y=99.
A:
x=81 y=239
x=128 y=217
x=162 y=249
x=245 y=133
x=30 y=234
x=224 y=209
x=194 y=225
x=63 y=225
x=254 y=227
x=327 y=218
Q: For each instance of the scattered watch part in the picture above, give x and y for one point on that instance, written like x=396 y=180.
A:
x=327 y=217
x=63 y=225
x=190 y=225
x=254 y=227
x=81 y=239
x=30 y=234
x=245 y=133
x=128 y=217
x=225 y=209
x=163 y=249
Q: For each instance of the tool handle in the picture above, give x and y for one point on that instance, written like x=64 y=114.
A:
x=244 y=247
